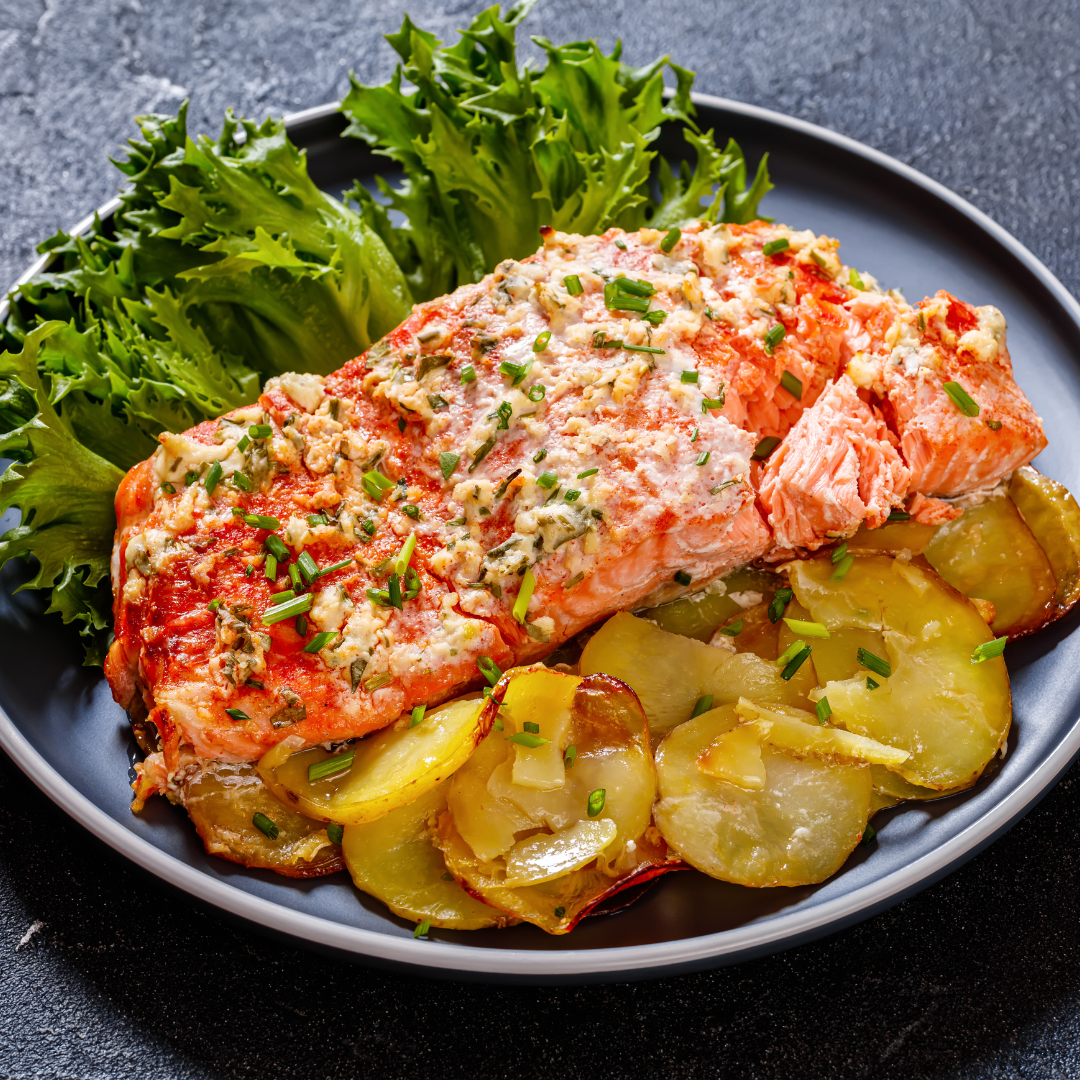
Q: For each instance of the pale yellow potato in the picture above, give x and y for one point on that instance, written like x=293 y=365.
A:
x=390 y=768
x=988 y=552
x=670 y=673
x=395 y=859
x=950 y=714
x=797 y=830
x=892 y=786
x=222 y=797
x=538 y=853
x=702 y=614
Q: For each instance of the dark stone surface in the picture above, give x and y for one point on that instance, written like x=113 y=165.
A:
x=102 y=974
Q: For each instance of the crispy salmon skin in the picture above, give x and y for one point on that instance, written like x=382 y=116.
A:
x=577 y=433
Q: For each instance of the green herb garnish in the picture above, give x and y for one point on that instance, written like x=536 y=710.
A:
x=704 y=704
x=961 y=398
x=331 y=766
x=988 y=650
x=868 y=660
x=598 y=797
x=264 y=825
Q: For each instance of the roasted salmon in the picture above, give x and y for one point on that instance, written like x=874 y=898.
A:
x=583 y=430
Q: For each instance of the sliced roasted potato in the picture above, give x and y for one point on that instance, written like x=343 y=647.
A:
x=988 y=552
x=797 y=829
x=892 y=538
x=395 y=859
x=950 y=714
x=670 y=673
x=389 y=769
x=550 y=854
x=892 y=786
x=702 y=614
x=1052 y=514
x=223 y=797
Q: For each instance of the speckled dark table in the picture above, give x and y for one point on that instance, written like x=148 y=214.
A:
x=103 y=975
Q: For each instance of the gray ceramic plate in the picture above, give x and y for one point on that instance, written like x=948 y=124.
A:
x=60 y=725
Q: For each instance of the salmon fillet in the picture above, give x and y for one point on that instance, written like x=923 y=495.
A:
x=583 y=424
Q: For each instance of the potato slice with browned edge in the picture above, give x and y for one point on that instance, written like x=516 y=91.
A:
x=798 y=828
x=395 y=859
x=223 y=797
x=1052 y=514
x=670 y=673
x=990 y=553
x=951 y=714
x=548 y=853
x=382 y=771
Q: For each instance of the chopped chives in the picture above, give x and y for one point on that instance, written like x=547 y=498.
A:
x=448 y=463
x=577 y=579
x=516 y=371
x=682 y=577
x=417 y=716
x=855 y=281
x=307 y=566
x=529 y=726
x=331 y=766
x=773 y=336
x=792 y=384
x=713 y=403
x=468 y=374
x=764 y=448
x=899 y=515
x=536 y=392
x=869 y=834
x=796 y=663
x=213 y=477
x=878 y=666
x=320 y=641
x=401 y=425
x=818 y=258
x=547 y=479
x=573 y=284
x=403 y=557
x=570 y=756
x=634 y=288
x=295 y=578
x=301 y=625
x=262 y=521
x=335 y=833
x=988 y=650
x=448 y=876
x=778 y=605
x=270 y=568
x=838 y=553
x=489 y=669
x=810 y=629
x=598 y=797
x=994 y=425
x=190 y=477
x=704 y=704
x=280 y=612
x=169 y=489
x=437 y=401
x=334 y=567
x=315 y=520
x=265 y=825
x=774 y=247
x=482 y=453
x=213 y=605
x=823 y=710
x=616 y=300
x=654 y=317
x=703 y=458
x=276 y=546
x=411 y=510
x=720 y=487
x=842 y=568
x=238 y=714
x=961 y=398
x=620 y=245
x=260 y=431
x=871 y=684
x=790 y=653
x=249 y=570
x=368 y=526
x=525 y=738
x=244 y=443
x=377 y=682
x=539 y=456
x=541 y=342
x=560 y=911
x=669 y=241
x=587 y=472
x=281 y=597
x=422 y=929
x=733 y=629
x=375 y=485
x=572 y=495
x=393 y=588
x=521 y=604
x=688 y=377
x=645 y=349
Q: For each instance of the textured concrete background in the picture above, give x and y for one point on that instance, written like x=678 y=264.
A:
x=101 y=975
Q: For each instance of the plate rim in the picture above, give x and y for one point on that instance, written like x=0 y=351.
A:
x=436 y=958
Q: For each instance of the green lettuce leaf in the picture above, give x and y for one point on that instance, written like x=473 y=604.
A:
x=492 y=150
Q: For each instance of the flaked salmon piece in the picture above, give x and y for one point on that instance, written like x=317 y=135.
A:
x=835 y=470
x=912 y=356
x=930 y=511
